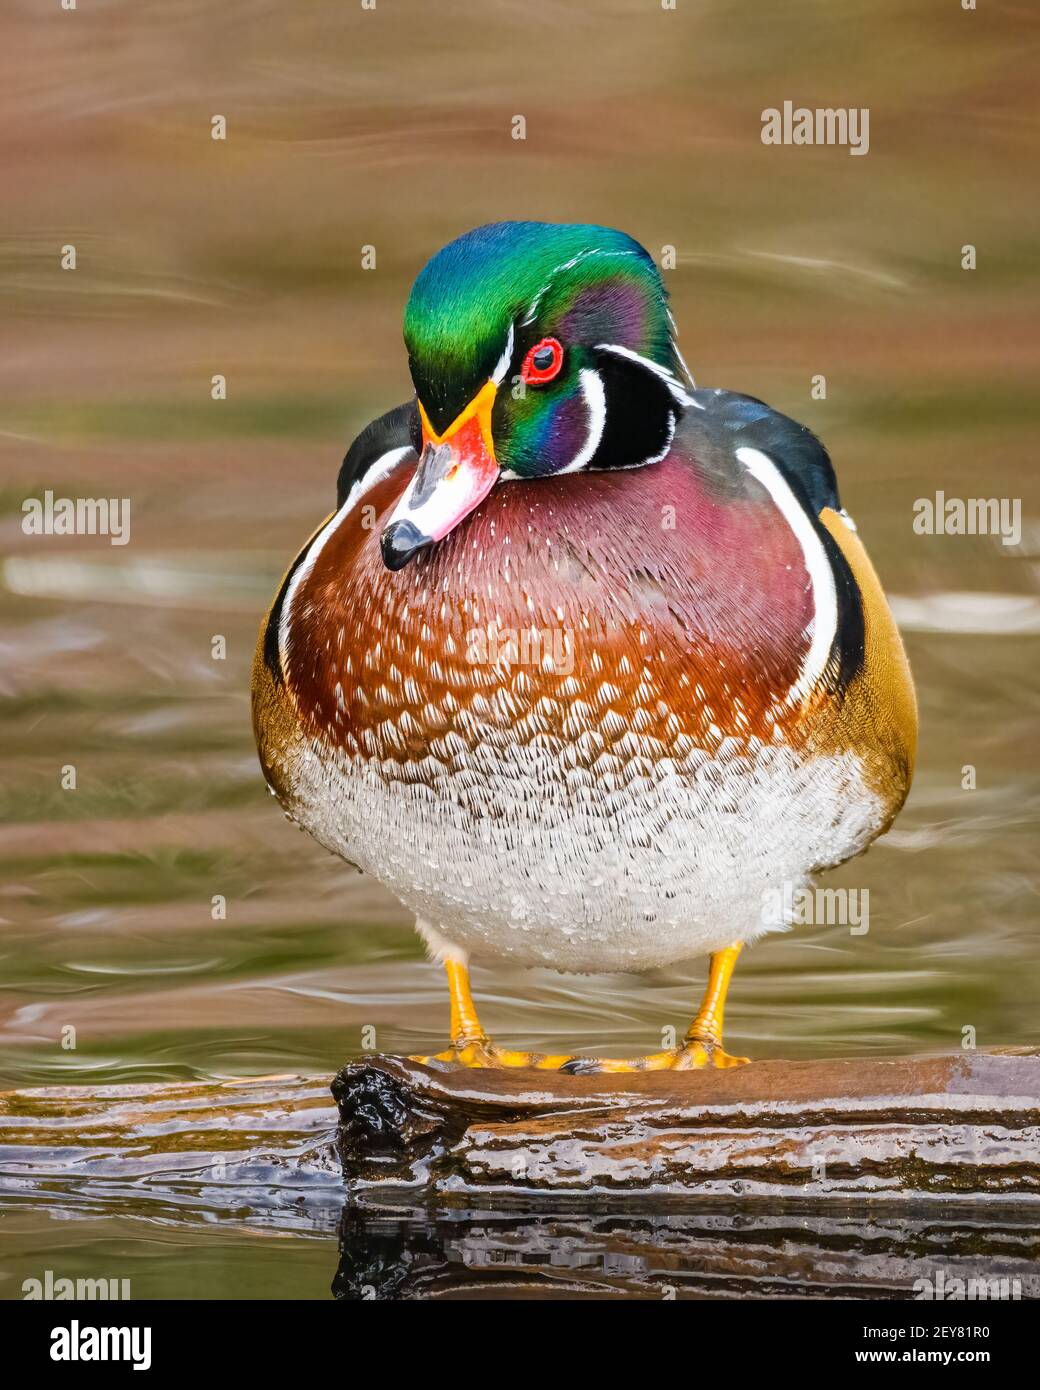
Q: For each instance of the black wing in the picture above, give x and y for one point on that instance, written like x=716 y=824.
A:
x=397 y=429
x=731 y=422
x=799 y=455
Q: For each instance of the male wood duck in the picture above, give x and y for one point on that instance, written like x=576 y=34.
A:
x=589 y=666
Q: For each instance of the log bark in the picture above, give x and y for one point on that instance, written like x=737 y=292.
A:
x=943 y=1127
x=855 y=1179
x=256 y=1150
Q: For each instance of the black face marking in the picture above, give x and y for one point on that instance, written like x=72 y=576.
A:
x=641 y=413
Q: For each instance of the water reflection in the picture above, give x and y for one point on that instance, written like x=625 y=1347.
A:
x=748 y=1252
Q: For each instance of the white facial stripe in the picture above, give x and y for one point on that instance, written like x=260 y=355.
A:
x=668 y=442
x=567 y=265
x=382 y=468
x=498 y=375
x=824 y=624
x=676 y=387
x=596 y=402
x=682 y=363
x=675 y=349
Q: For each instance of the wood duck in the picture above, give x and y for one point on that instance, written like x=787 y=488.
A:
x=588 y=666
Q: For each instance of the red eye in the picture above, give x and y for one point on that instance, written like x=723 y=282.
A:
x=543 y=362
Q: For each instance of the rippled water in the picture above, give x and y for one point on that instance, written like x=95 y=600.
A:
x=243 y=258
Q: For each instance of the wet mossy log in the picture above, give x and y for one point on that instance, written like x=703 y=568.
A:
x=940 y=1127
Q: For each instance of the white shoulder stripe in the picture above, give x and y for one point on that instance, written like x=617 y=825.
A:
x=375 y=473
x=824 y=623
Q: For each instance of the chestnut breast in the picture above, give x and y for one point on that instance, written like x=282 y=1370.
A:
x=663 y=604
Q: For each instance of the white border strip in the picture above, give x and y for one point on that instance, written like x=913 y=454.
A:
x=375 y=473
x=674 y=385
x=824 y=623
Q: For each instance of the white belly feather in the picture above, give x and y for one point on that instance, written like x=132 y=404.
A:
x=516 y=854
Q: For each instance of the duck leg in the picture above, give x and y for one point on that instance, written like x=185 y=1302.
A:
x=702 y=1045
x=470 y=1046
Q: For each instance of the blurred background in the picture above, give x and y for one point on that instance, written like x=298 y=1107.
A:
x=391 y=128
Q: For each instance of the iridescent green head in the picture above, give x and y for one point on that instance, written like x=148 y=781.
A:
x=535 y=349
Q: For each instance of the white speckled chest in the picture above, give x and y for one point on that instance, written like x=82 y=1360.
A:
x=515 y=852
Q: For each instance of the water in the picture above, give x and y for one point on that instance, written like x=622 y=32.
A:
x=196 y=257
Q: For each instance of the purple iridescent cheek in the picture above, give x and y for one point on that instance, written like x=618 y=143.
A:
x=555 y=436
x=614 y=313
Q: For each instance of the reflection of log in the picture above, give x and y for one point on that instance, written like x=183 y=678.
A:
x=959 y=1126
x=553 y=1248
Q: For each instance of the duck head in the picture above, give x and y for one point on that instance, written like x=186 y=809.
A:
x=535 y=349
